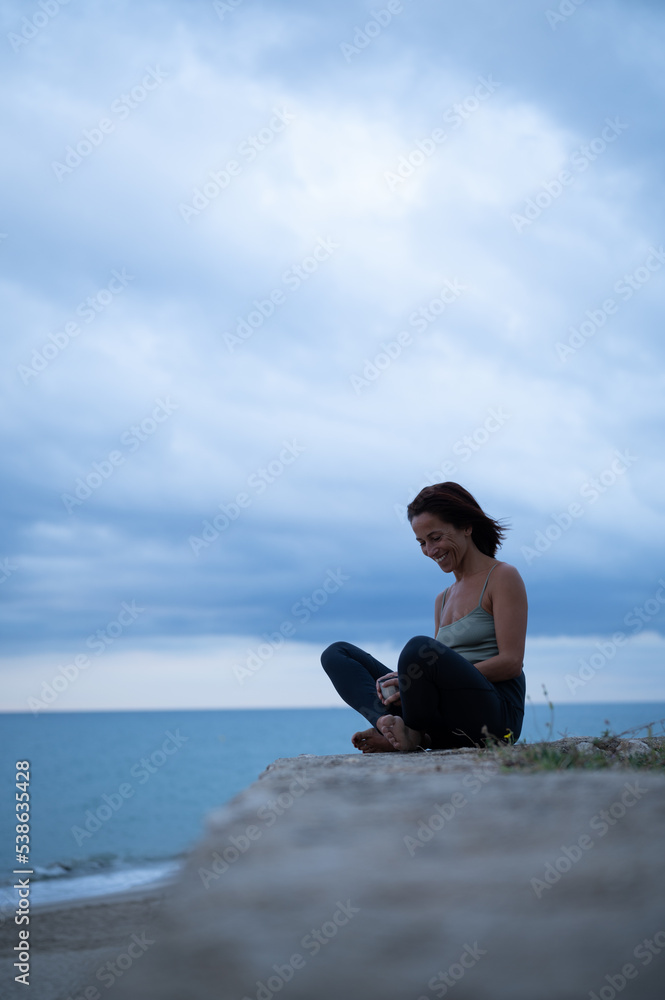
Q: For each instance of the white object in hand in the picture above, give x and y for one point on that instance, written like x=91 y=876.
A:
x=389 y=689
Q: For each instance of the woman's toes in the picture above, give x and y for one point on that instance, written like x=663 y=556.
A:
x=394 y=729
x=371 y=741
x=385 y=725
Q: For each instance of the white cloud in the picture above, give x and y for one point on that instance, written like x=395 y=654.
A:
x=207 y=672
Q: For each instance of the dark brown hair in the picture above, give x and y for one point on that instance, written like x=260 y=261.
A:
x=451 y=503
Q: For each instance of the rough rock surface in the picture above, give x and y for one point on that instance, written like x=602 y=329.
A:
x=404 y=876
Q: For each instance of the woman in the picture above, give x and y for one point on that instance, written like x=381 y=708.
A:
x=467 y=683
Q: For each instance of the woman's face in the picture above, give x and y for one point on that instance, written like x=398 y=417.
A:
x=441 y=541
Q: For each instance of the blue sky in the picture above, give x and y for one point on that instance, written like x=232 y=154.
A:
x=267 y=270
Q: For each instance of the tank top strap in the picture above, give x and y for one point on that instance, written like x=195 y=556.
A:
x=484 y=588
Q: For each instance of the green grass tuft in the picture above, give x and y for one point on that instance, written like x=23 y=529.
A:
x=564 y=753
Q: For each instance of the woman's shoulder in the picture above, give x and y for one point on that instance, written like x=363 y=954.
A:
x=505 y=570
x=504 y=575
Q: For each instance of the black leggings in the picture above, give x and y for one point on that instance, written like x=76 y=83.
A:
x=442 y=693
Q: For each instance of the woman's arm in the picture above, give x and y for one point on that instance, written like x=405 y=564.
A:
x=437 y=611
x=510 y=609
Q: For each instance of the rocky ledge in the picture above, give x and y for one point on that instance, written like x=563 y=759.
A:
x=405 y=876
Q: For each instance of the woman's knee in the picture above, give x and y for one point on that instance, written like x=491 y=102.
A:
x=412 y=660
x=332 y=653
x=417 y=651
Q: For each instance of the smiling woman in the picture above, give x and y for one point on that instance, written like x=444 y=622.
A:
x=467 y=683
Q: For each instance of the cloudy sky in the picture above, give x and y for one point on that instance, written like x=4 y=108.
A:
x=270 y=268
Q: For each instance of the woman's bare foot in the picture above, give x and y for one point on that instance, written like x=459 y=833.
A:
x=371 y=741
x=399 y=735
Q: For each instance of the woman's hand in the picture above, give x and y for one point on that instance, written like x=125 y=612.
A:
x=390 y=678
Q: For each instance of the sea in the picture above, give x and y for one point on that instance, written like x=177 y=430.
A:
x=117 y=799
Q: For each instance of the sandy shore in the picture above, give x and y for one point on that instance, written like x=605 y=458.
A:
x=73 y=943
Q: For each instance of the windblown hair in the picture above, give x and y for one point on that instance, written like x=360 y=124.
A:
x=451 y=503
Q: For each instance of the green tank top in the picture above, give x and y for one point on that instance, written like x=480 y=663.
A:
x=474 y=638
